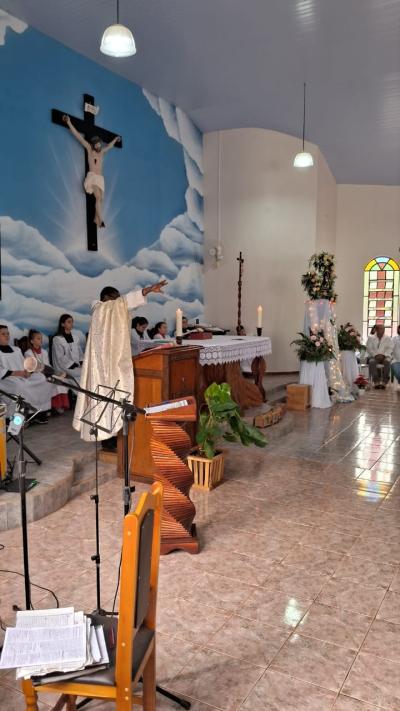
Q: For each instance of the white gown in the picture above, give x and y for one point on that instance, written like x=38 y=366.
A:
x=43 y=358
x=35 y=389
x=108 y=360
x=66 y=354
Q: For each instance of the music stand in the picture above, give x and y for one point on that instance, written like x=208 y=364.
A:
x=128 y=412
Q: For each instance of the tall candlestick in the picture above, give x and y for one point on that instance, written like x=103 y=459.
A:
x=259 y=316
x=178 y=329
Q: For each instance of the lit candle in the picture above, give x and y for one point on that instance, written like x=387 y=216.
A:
x=259 y=316
x=178 y=330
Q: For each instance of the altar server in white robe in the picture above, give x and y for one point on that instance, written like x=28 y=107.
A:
x=66 y=351
x=17 y=381
x=108 y=358
x=60 y=400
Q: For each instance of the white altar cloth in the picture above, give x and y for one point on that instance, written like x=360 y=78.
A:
x=349 y=367
x=314 y=374
x=228 y=349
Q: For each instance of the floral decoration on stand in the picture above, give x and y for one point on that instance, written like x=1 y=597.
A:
x=313 y=348
x=349 y=338
x=319 y=280
x=362 y=383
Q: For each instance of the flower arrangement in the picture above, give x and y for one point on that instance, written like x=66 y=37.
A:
x=349 y=338
x=319 y=280
x=313 y=348
x=361 y=382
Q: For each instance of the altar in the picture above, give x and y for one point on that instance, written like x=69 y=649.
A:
x=220 y=359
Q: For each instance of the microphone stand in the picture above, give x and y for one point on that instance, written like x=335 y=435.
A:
x=23 y=407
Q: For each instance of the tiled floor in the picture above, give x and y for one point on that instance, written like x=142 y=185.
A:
x=293 y=603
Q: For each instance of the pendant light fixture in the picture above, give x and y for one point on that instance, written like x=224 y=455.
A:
x=117 y=40
x=303 y=159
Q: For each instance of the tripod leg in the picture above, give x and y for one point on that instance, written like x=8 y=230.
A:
x=181 y=702
x=26 y=450
x=33 y=455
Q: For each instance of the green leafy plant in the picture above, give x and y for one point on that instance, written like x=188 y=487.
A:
x=349 y=338
x=220 y=419
x=313 y=348
x=319 y=280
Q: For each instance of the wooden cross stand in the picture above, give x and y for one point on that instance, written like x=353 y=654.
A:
x=88 y=128
x=239 y=326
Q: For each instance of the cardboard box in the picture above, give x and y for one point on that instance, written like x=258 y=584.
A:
x=298 y=396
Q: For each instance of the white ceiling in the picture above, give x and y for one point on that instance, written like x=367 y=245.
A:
x=241 y=63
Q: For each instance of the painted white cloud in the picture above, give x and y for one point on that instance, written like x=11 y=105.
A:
x=190 y=137
x=8 y=21
x=29 y=312
x=25 y=242
x=72 y=290
x=195 y=178
x=179 y=126
x=148 y=258
x=185 y=225
x=11 y=265
x=179 y=247
x=195 y=207
x=188 y=285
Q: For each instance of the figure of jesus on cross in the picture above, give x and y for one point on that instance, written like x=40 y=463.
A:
x=94 y=181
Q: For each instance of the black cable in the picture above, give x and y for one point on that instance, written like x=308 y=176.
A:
x=117 y=588
x=35 y=585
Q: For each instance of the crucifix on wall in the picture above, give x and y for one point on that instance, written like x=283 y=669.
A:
x=91 y=137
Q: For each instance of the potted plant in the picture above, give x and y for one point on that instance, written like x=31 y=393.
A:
x=219 y=419
x=313 y=348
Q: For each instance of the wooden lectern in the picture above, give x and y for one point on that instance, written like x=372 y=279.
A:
x=169 y=446
x=160 y=374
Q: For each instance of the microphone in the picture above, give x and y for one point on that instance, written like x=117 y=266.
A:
x=33 y=365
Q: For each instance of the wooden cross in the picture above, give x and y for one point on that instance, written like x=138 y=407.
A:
x=239 y=326
x=88 y=128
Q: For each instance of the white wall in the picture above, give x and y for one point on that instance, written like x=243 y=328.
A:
x=368 y=225
x=268 y=210
x=326 y=207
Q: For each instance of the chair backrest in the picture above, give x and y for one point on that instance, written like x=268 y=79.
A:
x=139 y=578
x=22 y=343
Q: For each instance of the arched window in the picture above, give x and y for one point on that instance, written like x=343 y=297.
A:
x=381 y=295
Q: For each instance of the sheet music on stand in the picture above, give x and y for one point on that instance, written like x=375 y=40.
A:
x=56 y=640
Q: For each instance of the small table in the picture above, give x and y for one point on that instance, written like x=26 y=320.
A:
x=220 y=359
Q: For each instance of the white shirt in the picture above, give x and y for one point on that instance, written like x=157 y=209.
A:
x=66 y=354
x=380 y=347
x=396 y=349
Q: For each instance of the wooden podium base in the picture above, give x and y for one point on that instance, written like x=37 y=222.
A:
x=183 y=544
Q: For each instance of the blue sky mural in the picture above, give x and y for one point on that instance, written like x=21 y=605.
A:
x=153 y=199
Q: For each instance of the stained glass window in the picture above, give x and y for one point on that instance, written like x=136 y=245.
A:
x=381 y=295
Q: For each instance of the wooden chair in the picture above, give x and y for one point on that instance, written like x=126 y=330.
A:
x=132 y=658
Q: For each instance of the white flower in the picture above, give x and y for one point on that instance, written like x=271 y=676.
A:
x=313 y=338
x=318 y=343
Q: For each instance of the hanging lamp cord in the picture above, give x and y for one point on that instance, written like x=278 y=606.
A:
x=304 y=114
x=117 y=12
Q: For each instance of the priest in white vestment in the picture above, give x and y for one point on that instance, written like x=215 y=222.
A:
x=15 y=380
x=108 y=359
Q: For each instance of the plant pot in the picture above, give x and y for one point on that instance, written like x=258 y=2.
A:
x=207 y=473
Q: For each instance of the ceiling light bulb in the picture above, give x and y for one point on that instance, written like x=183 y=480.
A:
x=118 y=41
x=303 y=160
